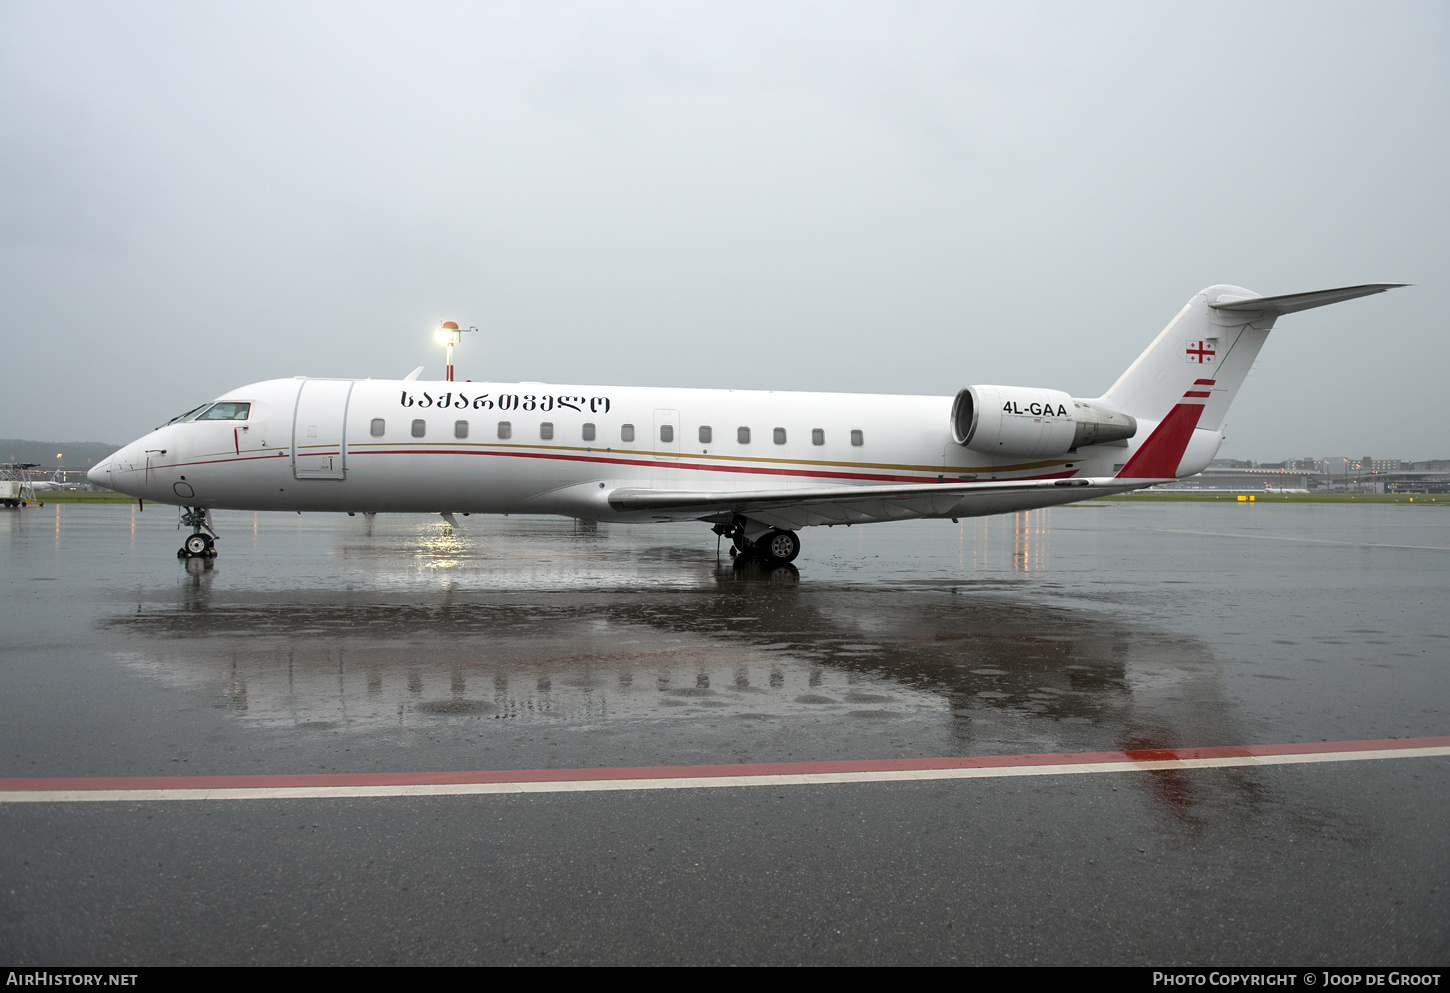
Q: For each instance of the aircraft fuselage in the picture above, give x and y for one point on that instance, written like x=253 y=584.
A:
x=408 y=446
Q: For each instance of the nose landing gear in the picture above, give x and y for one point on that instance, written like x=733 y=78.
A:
x=200 y=543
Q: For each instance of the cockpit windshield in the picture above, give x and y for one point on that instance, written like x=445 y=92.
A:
x=227 y=410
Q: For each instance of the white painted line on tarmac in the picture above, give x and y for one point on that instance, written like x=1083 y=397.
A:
x=345 y=786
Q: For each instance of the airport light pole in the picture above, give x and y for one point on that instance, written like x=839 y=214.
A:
x=451 y=334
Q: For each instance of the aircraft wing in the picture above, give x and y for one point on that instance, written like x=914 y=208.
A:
x=796 y=507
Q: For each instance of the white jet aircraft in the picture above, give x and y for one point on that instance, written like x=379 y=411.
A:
x=54 y=485
x=759 y=466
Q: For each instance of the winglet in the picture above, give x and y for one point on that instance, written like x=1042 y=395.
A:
x=412 y=375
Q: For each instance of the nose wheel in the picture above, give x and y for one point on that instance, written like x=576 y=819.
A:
x=201 y=543
x=197 y=546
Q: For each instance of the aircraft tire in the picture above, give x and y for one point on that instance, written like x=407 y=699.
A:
x=779 y=547
x=196 y=545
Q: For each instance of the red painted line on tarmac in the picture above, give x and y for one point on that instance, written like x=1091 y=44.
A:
x=313 y=780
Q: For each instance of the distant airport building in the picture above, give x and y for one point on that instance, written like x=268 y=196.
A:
x=1338 y=474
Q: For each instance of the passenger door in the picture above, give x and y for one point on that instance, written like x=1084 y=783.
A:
x=319 y=429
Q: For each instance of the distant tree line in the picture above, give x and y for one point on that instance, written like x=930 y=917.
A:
x=74 y=454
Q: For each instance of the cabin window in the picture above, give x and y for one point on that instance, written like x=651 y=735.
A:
x=379 y=426
x=505 y=429
x=420 y=428
x=667 y=433
x=742 y=435
x=857 y=438
x=626 y=432
x=780 y=436
x=705 y=434
x=460 y=429
x=818 y=436
x=226 y=411
x=588 y=432
x=546 y=430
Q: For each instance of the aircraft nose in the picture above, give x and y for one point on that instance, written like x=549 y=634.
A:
x=101 y=474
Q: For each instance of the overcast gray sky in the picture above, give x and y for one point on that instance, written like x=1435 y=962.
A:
x=868 y=197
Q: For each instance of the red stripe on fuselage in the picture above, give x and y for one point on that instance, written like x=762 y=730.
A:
x=926 y=476
x=1161 y=453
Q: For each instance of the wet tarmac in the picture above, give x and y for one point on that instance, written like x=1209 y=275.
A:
x=336 y=645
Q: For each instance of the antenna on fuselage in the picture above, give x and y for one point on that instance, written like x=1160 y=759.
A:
x=451 y=334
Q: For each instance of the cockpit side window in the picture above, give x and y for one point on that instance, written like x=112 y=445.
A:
x=227 y=410
x=190 y=415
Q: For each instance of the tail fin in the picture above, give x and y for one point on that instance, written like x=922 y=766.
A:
x=1189 y=375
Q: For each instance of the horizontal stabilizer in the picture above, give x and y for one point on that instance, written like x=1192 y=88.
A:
x=1290 y=303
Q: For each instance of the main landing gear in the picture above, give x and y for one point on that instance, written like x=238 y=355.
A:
x=200 y=543
x=773 y=547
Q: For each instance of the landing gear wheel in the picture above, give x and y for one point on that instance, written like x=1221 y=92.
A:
x=202 y=540
x=779 y=547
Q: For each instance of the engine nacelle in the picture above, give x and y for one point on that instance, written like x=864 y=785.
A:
x=1022 y=422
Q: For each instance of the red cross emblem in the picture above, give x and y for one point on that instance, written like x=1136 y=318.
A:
x=1200 y=351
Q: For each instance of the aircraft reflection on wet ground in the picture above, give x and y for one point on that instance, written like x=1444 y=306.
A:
x=913 y=667
x=1086 y=629
x=352 y=645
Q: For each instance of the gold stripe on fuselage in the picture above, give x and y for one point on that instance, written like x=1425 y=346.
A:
x=739 y=459
x=648 y=454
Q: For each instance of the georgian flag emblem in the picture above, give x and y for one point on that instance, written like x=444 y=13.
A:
x=1201 y=351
